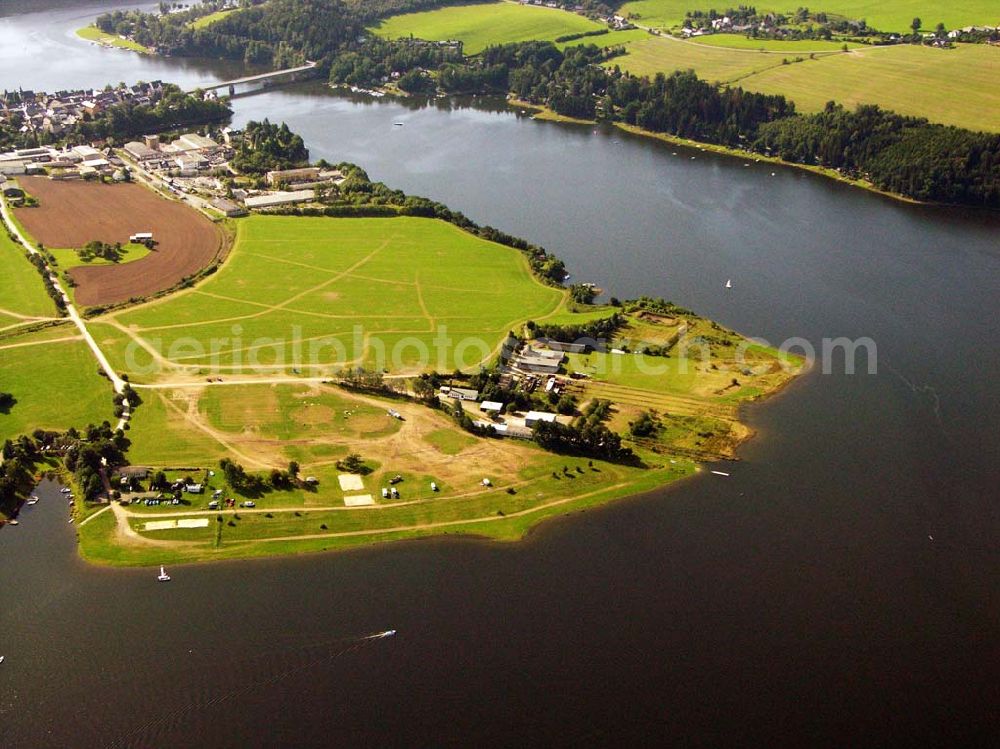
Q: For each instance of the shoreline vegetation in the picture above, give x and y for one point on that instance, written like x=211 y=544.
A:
x=545 y=114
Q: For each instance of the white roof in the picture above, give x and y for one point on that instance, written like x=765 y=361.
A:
x=491 y=406
x=539 y=416
x=279 y=198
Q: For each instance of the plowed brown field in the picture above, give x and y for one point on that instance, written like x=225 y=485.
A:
x=71 y=214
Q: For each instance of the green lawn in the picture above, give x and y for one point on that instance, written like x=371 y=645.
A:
x=67 y=258
x=479 y=26
x=94 y=34
x=316 y=294
x=951 y=86
x=55 y=383
x=895 y=15
x=21 y=290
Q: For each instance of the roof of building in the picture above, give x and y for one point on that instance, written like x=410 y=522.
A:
x=491 y=406
x=279 y=198
x=539 y=416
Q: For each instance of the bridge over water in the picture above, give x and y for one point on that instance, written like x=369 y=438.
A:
x=263 y=80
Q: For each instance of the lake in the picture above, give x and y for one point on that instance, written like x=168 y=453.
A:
x=840 y=587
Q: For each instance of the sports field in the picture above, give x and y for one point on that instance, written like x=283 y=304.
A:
x=54 y=378
x=70 y=214
x=951 y=86
x=895 y=15
x=318 y=294
x=479 y=26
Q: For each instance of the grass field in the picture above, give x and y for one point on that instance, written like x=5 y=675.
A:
x=737 y=41
x=22 y=293
x=479 y=26
x=54 y=381
x=951 y=86
x=884 y=16
x=204 y=21
x=317 y=294
x=68 y=258
x=94 y=34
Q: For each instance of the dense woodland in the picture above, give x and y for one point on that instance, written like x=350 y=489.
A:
x=264 y=146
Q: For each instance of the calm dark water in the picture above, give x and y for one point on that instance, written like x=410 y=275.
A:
x=800 y=601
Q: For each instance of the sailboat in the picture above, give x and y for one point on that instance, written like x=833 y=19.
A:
x=729 y=283
x=163 y=577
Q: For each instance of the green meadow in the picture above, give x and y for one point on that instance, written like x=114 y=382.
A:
x=737 y=41
x=94 y=34
x=55 y=383
x=479 y=26
x=22 y=293
x=67 y=258
x=900 y=78
x=317 y=294
x=204 y=21
x=895 y=15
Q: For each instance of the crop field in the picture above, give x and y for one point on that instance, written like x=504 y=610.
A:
x=318 y=294
x=71 y=214
x=738 y=41
x=897 y=78
x=23 y=298
x=479 y=26
x=884 y=16
x=53 y=377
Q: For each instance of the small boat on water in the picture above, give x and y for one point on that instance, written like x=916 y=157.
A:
x=2 y=657
x=397 y=124
x=729 y=283
x=13 y=522
x=163 y=577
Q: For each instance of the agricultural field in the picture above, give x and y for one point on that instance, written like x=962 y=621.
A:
x=738 y=41
x=70 y=214
x=897 y=77
x=23 y=298
x=479 y=26
x=53 y=377
x=94 y=34
x=951 y=86
x=318 y=294
x=884 y=16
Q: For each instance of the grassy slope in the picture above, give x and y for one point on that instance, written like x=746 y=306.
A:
x=94 y=34
x=412 y=279
x=885 y=16
x=479 y=26
x=56 y=384
x=21 y=289
x=898 y=78
x=200 y=23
